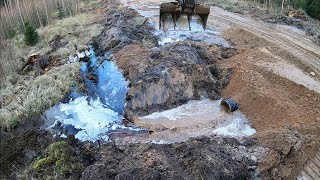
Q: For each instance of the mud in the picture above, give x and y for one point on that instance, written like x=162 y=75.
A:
x=288 y=108
x=201 y=158
x=164 y=77
x=179 y=72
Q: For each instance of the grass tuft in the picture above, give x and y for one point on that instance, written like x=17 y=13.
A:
x=30 y=97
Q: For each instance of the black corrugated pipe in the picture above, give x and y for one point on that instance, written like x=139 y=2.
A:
x=231 y=104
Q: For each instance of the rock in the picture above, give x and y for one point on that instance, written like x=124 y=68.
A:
x=313 y=74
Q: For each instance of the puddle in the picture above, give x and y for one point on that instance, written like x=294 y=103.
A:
x=202 y=114
x=209 y=36
x=194 y=119
x=92 y=116
x=237 y=127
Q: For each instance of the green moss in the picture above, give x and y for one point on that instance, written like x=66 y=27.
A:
x=59 y=156
x=41 y=163
x=13 y=121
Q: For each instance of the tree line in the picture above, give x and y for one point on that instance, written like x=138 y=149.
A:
x=14 y=14
x=311 y=7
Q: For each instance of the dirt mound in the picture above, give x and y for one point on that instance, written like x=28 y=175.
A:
x=123 y=26
x=201 y=158
x=288 y=150
x=162 y=78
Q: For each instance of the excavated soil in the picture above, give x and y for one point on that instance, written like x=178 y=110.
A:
x=284 y=110
x=276 y=80
x=162 y=77
x=202 y=158
x=165 y=77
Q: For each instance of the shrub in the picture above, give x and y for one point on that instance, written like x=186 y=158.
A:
x=313 y=8
x=31 y=36
x=61 y=13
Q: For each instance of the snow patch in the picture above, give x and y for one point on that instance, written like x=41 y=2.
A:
x=91 y=117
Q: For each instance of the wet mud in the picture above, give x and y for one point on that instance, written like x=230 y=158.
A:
x=200 y=158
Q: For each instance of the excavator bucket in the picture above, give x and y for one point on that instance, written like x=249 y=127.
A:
x=183 y=15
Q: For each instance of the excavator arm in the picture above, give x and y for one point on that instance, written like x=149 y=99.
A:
x=174 y=10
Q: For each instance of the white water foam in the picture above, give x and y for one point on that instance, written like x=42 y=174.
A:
x=90 y=117
x=237 y=127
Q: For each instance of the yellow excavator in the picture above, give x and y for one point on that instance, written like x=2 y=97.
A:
x=172 y=11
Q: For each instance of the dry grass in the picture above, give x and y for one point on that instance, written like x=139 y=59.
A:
x=31 y=96
x=77 y=30
x=22 y=96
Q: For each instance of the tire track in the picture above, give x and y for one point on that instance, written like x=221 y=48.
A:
x=300 y=46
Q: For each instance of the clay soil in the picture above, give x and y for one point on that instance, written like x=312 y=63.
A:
x=281 y=99
x=274 y=105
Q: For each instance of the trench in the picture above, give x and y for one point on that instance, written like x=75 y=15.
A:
x=98 y=114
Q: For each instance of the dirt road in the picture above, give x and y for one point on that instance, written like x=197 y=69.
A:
x=298 y=54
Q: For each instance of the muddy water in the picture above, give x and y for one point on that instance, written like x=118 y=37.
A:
x=196 y=118
x=150 y=10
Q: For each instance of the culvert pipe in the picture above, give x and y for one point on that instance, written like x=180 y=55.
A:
x=230 y=104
